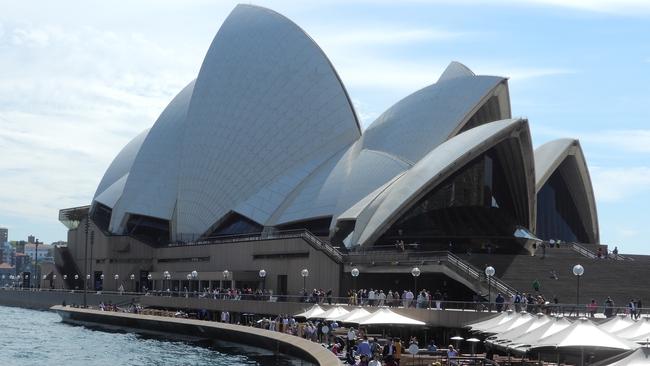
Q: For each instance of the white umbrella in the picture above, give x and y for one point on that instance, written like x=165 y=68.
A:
x=354 y=315
x=616 y=324
x=524 y=342
x=313 y=311
x=638 y=357
x=388 y=317
x=492 y=322
x=584 y=334
x=513 y=334
x=521 y=319
x=636 y=330
x=333 y=313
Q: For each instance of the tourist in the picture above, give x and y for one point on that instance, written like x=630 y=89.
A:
x=352 y=336
x=432 y=347
x=499 y=301
x=452 y=354
x=609 y=307
x=382 y=298
x=631 y=308
x=437 y=297
x=639 y=306
x=364 y=347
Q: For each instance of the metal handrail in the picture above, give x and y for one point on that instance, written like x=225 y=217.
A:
x=583 y=251
x=477 y=274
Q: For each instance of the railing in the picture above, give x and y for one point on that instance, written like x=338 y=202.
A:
x=310 y=238
x=571 y=310
x=465 y=267
x=457 y=264
x=581 y=249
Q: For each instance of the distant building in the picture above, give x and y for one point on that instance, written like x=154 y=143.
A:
x=44 y=251
x=6 y=270
x=7 y=253
x=31 y=239
x=23 y=263
x=4 y=235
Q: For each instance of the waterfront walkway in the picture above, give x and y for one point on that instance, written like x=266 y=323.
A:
x=277 y=342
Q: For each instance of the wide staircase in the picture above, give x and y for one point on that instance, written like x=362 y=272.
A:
x=622 y=279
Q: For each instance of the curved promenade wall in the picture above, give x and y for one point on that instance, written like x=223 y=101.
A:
x=277 y=342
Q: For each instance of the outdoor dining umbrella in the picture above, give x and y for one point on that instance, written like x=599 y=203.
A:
x=387 y=317
x=617 y=323
x=638 y=357
x=353 y=316
x=492 y=322
x=523 y=343
x=521 y=319
x=636 y=330
x=583 y=335
x=332 y=314
x=312 y=312
x=514 y=334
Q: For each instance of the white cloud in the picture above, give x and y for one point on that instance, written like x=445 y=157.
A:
x=633 y=140
x=69 y=100
x=619 y=184
x=373 y=36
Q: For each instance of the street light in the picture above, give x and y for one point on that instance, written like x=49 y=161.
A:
x=195 y=276
x=101 y=277
x=54 y=278
x=167 y=277
x=87 y=281
x=415 y=272
x=226 y=274
x=355 y=273
x=132 y=278
x=116 y=277
x=263 y=277
x=149 y=277
x=304 y=273
x=578 y=271
x=489 y=272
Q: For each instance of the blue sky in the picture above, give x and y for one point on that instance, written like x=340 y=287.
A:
x=79 y=79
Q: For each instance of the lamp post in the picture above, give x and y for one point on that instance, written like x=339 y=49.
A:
x=489 y=272
x=54 y=281
x=65 y=279
x=355 y=273
x=415 y=272
x=304 y=273
x=578 y=271
x=101 y=277
x=195 y=276
x=132 y=278
x=116 y=277
x=226 y=274
x=166 y=277
x=263 y=277
x=150 y=284
x=76 y=283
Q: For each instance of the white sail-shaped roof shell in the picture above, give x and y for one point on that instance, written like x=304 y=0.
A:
x=118 y=169
x=439 y=164
x=267 y=109
x=394 y=142
x=549 y=157
x=152 y=186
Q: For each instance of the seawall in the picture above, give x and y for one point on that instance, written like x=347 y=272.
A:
x=278 y=342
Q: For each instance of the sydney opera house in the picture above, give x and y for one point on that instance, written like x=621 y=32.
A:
x=261 y=163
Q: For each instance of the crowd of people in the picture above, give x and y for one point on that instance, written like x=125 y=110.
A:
x=392 y=298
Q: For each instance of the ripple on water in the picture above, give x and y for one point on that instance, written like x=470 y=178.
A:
x=29 y=337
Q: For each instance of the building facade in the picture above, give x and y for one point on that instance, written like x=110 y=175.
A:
x=260 y=163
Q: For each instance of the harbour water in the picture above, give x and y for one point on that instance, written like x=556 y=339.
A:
x=29 y=337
